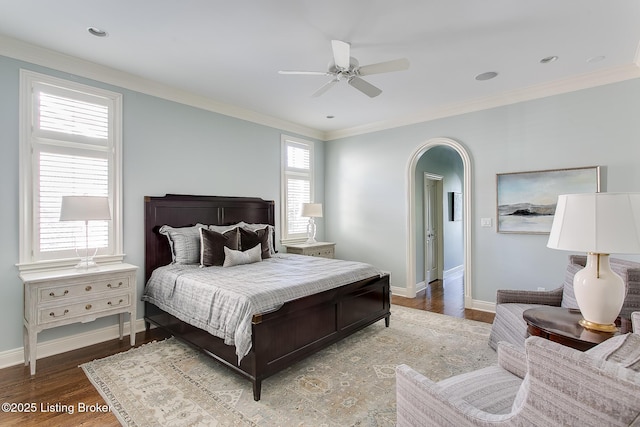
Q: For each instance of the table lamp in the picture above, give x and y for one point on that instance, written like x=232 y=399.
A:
x=85 y=208
x=599 y=224
x=311 y=210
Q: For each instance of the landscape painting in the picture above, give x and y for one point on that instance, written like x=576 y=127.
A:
x=527 y=200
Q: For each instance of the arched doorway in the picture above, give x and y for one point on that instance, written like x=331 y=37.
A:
x=411 y=220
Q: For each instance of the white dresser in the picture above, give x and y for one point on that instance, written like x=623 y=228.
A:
x=60 y=297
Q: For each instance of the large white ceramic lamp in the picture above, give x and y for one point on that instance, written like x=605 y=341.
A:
x=599 y=224
x=85 y=208
x=311 y=210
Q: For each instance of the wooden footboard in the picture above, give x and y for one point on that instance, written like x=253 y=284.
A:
x=298 y=329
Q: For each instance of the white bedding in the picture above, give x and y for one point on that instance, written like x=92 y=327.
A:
x=223 y=300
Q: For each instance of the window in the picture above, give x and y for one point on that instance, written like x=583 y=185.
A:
x=70 y=145
x=297 y=186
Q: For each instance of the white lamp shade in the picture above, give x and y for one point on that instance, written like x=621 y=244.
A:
x=312 y=210
x=602 y=223
x=84 y=208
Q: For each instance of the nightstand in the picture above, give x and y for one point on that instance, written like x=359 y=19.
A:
x=321 y=249
x=60 y=297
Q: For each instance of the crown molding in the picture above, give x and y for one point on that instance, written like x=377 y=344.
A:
x=584 y=81
x=27 y=52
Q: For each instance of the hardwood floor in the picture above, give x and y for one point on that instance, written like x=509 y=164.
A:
x=60 y=386
x=445 y=297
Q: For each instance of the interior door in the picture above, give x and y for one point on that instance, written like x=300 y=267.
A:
x=430 y=230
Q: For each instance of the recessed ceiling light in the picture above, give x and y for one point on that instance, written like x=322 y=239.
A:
x=486 y=76
x=549 y=59
x=595 y=59
x=97 y=32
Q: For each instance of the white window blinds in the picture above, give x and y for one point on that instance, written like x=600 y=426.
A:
x=297 y=185
x=70 y=175
x=71 y=143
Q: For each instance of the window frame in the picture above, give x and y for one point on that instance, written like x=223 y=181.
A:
x=286 y=172
x=28 y=165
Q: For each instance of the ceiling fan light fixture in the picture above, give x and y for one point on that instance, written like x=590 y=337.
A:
x=347 y=68
x=486 y=76
x=97 y=32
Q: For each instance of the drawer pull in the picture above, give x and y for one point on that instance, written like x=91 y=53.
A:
x=119 y=302
x=53 y=294
x=88 y=288
x=114 y=287
x=52 y=314
x=87 y=307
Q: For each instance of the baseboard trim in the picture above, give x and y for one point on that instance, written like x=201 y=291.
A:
x=73 y=342
x=480 y=305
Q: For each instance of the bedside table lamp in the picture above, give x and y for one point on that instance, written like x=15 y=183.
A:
x=599 y=224
x=85 y=208
x=311 y=210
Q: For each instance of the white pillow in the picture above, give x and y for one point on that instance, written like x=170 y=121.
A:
x=249 y=256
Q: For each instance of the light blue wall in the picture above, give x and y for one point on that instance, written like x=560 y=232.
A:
x=366 y=179
x=167 y=148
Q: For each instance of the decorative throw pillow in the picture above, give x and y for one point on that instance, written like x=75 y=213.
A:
x=213 y=245
x=568 y=294
x=249 y=239
x=254 y=227
x=184 y=243
x=250 y=256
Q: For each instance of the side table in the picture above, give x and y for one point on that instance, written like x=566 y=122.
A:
x=561 y=325
x=321 y=249
x=61 y=297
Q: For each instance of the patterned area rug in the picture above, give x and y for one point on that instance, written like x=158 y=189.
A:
x=167 y=383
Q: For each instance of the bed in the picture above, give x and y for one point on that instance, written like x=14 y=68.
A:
x=278 y=337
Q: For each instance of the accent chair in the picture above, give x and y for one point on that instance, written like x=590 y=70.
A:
x=547 y=384
x=508 y=324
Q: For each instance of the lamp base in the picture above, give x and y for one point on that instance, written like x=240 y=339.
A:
x=601 y=327
x=599 y=292
x=86 y=263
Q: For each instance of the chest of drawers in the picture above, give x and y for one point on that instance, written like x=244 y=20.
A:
x=61 y=297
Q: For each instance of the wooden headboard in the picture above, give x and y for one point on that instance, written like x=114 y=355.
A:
x=178 y=210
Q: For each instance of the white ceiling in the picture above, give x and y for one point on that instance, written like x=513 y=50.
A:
x=231 y=51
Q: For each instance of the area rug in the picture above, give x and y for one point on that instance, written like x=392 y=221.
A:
x=351 y=383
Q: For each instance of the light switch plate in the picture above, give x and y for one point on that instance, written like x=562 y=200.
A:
x=485 y=222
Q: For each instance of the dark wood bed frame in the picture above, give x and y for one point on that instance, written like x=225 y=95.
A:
x=279 y=338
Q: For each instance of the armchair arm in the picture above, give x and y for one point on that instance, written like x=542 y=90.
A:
x=512 y=359
x=553 y=297
x=576 y=388
x=420 y=402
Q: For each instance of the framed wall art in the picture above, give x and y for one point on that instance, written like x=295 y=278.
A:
x=455 y=203
x=526 y=201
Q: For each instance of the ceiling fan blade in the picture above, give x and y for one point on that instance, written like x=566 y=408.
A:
x=364 y=87
x=325 y=87
x=341 y=54
x=309 y=73
x=384 y=67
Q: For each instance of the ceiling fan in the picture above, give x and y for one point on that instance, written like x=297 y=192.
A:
x=345 y=67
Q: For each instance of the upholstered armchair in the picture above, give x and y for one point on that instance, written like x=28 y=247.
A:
x=547 y=384
x=508 y=324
